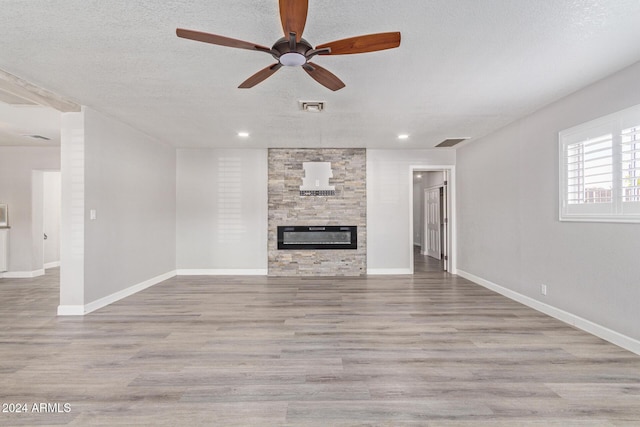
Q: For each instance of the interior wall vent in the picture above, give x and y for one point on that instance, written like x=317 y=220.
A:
x=38 y=137
x=312 y=106
x=450 y=142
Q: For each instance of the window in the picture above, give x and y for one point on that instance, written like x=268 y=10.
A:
x=630 y=164
x=600 y=169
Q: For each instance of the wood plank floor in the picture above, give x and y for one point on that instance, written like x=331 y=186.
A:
x=430 y=350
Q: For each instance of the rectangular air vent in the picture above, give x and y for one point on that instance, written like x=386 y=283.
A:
x=312 y=106
x=38 y=137
x=450 y=142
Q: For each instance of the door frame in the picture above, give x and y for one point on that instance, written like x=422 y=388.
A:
x=451 y=238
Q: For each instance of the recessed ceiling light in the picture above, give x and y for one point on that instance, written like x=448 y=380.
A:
x=243 y=134
x=403 y=136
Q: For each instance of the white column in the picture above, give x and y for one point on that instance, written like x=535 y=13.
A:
x=72 y=217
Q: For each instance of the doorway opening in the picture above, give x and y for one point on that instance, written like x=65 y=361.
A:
x=433 y=219
x=46 y=213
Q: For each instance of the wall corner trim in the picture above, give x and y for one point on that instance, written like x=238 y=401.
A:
x=222 y=272
x=388 y=271
x=599 y=331
x=71 y=310
x=79 y=310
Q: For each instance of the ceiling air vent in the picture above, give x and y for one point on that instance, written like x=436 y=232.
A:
x=450 y=142
x=312 y=106
x=44 y=138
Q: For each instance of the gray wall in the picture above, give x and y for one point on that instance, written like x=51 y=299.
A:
x=16 y=184
x=508 y=228
x=389 y=208
x=199 y=226
x=221 y=210
x=130 y=180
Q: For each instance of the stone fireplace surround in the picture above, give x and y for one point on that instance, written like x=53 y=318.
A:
x=288 y=207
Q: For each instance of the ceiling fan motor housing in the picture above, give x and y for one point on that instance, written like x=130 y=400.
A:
x=292 y=57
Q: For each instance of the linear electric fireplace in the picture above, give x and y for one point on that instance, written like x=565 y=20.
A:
x=318 y=237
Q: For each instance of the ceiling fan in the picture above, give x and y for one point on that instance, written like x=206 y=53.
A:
x=292 y=50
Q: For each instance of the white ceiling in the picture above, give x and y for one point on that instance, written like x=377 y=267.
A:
x=464 y=67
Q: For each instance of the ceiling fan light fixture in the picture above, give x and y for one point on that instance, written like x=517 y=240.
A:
x=292 y=59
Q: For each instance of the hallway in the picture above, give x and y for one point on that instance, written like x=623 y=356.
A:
x=426 y=264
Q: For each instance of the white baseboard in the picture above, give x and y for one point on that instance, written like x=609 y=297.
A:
x=22 y=274
x=222 y=272
x=53 y=264
x=79 y=310
x=600 y=331
x=390 y=271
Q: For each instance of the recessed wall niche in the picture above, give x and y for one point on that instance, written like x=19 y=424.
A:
x=289 y=207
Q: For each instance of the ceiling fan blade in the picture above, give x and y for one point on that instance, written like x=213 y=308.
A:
x=293 y=14
x=362 y=44
x=260 y=76
x=219 y=40
x=323 y=76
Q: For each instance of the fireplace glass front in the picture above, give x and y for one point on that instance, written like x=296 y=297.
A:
x=318 y=237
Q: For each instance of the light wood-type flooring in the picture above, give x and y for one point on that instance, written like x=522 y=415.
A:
x=430 y=350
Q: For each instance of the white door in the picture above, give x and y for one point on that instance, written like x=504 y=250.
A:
x=444 y=230
x=432 y=219
x=51 y=219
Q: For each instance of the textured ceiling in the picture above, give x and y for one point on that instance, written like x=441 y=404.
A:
x=464 y=68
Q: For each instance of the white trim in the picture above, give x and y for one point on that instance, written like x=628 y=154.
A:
x=79 y=310
x=385 y=271
x=53 y=264
x=116 y=296
x=222 y=272
x=71 y=310
x=451 y=200
x=600 y=331
x=23 y=274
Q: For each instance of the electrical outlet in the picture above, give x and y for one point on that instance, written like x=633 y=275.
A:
x=543 y=289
